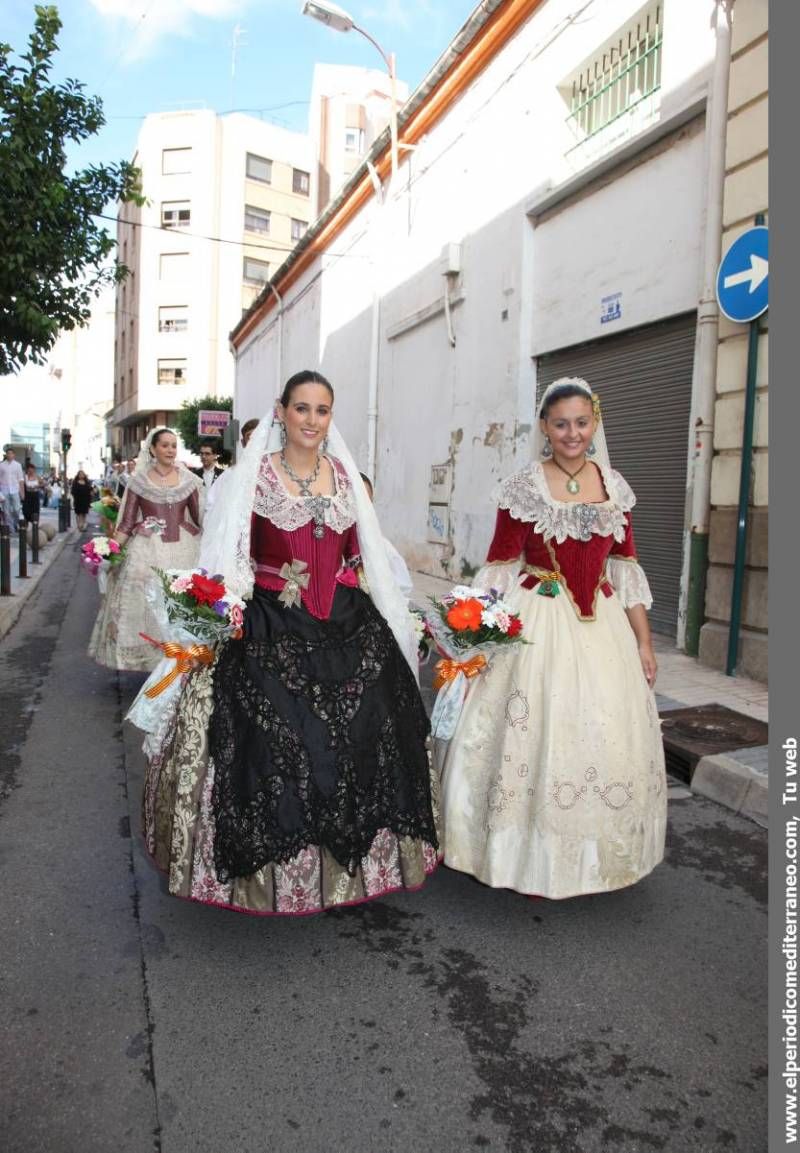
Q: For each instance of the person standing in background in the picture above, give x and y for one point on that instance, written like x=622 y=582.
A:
x=12 y=487
x=81 y=490
x=31 y=501
x=209 y=470
x=214 y=493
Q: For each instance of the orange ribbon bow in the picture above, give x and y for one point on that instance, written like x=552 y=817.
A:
x=184 y=661
x=447 y=670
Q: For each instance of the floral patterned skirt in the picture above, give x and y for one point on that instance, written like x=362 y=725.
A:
x=295 y=775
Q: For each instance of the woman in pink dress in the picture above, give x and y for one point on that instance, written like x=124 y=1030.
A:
x=159 y=524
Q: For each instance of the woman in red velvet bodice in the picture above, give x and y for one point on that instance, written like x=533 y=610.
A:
x=554 y=781
x=305 y=780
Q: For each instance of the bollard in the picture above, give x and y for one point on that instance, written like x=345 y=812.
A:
x=23 y=550
x=35 y=540
x=5 y=559
x=63 y=514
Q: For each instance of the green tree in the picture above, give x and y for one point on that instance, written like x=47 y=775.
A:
x=54 y=256
x=186 y=422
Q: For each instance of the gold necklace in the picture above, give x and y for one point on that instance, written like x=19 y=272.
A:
x=572 y=485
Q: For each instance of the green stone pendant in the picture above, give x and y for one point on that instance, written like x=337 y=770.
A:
x=573 y=486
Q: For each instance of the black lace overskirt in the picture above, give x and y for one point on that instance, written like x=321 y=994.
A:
x=318 y=736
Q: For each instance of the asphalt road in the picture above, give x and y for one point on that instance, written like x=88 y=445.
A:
x=453 y=1019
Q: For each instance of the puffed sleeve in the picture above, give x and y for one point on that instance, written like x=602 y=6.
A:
x=128 y=512
x=193 y=505
x=626 y=574
x=504 y=558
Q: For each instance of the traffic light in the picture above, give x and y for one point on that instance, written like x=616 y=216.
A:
x=66 y=439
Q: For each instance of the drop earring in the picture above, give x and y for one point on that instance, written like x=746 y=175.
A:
x=283 y=435
x=547 y=450
x=592 y=449
x=324 y=446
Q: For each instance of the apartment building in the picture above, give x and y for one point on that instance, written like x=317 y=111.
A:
x=227 y=199
x=350 y=107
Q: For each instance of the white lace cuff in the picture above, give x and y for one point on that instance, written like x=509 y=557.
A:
x=629 y=581
x=500 y=575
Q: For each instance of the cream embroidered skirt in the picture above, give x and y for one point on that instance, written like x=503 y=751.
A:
x=554 y=782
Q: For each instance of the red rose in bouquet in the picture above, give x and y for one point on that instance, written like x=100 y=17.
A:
x=514 y=627
x=206 y=591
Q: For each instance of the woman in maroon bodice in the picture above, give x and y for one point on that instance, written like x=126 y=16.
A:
x=553 y=783
x=296 y=775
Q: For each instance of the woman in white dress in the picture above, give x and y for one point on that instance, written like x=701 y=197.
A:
x=159 y=523
x=554 y=781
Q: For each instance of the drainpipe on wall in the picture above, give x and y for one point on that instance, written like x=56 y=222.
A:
x=701 y=449
x=378 y=256
x=279 y=299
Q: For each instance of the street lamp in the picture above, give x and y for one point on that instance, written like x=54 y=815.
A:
x=336 y=18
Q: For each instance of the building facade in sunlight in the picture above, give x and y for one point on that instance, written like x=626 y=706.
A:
x=228 y=197
x=555 y=216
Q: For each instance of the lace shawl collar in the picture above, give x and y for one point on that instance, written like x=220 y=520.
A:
x=274 y=501
x=144 y=487
x=527 y=497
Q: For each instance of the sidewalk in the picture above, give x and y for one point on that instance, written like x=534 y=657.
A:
x=21 y=589
x=738 y=779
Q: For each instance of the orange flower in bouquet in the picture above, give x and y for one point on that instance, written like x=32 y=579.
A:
x=465 y=614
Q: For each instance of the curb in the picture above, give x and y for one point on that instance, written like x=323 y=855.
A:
x=736 y=785
x=12 y=606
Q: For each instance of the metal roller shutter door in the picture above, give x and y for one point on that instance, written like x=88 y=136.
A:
x=644 y=378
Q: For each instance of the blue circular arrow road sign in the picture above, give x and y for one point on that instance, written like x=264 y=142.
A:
x=743 y=276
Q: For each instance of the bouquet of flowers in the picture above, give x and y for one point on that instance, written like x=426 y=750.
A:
x=107 y=506
x=201 y=604
x=468 y=624
x=101 y=552
x=422 y=633
x=196 y=612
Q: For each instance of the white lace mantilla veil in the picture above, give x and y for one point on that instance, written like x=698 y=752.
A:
x=225 y=546
x=600 y=456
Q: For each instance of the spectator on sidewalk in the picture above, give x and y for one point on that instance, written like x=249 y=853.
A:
x=12 y=487
x=31 y=502
x=81 y=490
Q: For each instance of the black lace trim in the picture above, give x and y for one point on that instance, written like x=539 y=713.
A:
x=319 y=737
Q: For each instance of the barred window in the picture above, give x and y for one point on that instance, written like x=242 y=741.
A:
x=620 y=80
x=173 y=318
x=256 y=219
x=255 y=271
x=258 y=168
x=300 y=181
x=175 y=161
x=176 y=214
x=172 y=372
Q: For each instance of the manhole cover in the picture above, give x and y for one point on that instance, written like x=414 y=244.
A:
x=692 y=733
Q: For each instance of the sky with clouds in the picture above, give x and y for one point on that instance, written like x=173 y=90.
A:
x=142 y=56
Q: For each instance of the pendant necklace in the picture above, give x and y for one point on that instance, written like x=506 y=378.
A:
x=572 y=485
x=315 y=503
